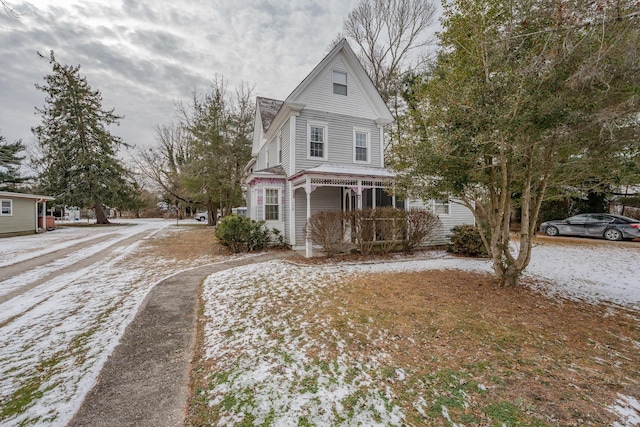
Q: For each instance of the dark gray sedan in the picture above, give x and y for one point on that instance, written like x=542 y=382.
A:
x=608 y=226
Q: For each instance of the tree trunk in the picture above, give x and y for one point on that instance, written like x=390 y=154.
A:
x=212 y=213
x=101 y=218
x=511 y=275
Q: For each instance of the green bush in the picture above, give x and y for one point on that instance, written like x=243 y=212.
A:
x=242 y=234
x=466 y=240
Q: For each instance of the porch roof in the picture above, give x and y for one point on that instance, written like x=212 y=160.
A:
x=347 y=170
x=275 y=172
x=347 y=175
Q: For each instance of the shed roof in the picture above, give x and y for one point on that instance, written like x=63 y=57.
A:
x=12 y=195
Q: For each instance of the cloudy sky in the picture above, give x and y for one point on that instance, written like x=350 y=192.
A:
x=144 y=55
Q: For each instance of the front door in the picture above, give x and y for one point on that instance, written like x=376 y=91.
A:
x=349 y=200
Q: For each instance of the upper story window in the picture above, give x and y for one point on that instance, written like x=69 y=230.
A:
x=361 y=145
x=279 y=148
x=7 y=207
x=317 y=136
x=267 y=157
x=339 y=83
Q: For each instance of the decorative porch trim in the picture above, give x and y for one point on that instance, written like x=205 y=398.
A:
x=257 y=180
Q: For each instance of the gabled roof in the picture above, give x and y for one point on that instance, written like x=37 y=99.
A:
x=266 y=111
x=370 y=90
x=267 y=108
x=294 y=103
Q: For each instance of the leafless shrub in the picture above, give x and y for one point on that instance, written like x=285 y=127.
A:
x=326 y=229
x=419 y=226
x=389 y=228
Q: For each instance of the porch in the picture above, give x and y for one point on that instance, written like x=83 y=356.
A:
x=333 y=187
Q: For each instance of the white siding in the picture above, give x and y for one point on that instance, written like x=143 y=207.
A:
x=458 y=215
x=286 y=213
x=255 y=202
x=339 y=139
x=286 y=148
x=319 y=94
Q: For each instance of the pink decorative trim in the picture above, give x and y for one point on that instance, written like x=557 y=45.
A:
x=257 y=181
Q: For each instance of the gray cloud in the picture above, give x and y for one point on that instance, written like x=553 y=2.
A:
x=144 y=55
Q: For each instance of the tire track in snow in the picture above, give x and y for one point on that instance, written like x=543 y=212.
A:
x=70 y=269
x=22 y=266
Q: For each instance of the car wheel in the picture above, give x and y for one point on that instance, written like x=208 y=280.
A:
x=552 y=231
x=613 y=234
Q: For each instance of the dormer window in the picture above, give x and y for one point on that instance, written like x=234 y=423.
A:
x=340 y=83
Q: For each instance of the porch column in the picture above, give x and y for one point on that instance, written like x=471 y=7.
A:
x=393 y=196
x=308 y=243
x=292 y=215
x=373 y=196
x=359 y=195
x=44 y=215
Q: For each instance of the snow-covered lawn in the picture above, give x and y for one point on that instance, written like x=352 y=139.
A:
x=56 y=336
x=261 y=347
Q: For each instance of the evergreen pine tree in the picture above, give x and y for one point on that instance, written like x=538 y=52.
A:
x=10 y=162
x=79 y=163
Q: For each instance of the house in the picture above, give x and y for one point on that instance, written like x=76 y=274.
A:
x=322 y=148
x=19 y=213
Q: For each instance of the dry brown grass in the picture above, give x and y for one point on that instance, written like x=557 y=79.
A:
x=542 y=361
x=188 y=244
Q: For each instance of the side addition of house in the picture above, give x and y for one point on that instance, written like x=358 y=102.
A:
x=320 y=149
x=22 y=213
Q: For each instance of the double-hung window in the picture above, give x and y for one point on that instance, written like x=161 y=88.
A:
x=279 y=148
x=7 y=207
x=339 y=83
x=317 y=135
x=361 y=145
x=442 y=207
x=271 y=204
x=266 y=154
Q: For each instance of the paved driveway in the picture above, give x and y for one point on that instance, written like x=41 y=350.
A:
x=66 y=298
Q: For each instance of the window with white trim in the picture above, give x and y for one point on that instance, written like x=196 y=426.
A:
x=442 y=207
x=7 y=207
x=317 y=137
x=339 y=83
x=272 y=204
x=361 y=150
x=279 y=148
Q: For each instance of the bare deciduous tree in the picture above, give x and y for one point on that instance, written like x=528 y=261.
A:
x=390 y=33
x=163 y=164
